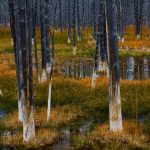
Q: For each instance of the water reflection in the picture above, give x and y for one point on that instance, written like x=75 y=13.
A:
x=2 y=114
x=130 y=68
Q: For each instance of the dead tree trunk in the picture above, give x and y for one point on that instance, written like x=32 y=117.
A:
x=31 y=124
x=114 y=77
x=43 y=41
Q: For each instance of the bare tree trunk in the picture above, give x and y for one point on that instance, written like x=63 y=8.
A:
x=149 y=19
x=13 y=12
x=52 y=66
x=103 y=64
x=43 y=41
x=78 y=18
x=35 y=41
x=23 y=63
x=60 y=15
x=69 y=21
x=138 y=7
x=74 y=27
x=47 y=37
x=94 y=18
x=31 y=124
x=114 y=77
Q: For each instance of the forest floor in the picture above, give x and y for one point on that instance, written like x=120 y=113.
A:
x=79 y=117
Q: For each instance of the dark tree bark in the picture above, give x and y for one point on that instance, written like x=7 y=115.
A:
x=74 y=27
x=60 y=15
x=102 y=37
x=114 y=81
x=31 y=126
x=69 y=21
x=138 y=6
x=94 y=18
x=35 y=3
x=23 y=63
x=78 y=18
x=47 y=37
x=43 y=40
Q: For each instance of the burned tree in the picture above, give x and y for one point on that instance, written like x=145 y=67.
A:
x=114 y=77
x=69 y=20
x=103 y=63
x=74 y=27
x=78 y=18
x=138 y=9
x=43 y=40
x=47 y=37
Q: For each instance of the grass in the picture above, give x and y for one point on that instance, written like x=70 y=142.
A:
x=85 y=47
x=78 y=112
x=73 y=109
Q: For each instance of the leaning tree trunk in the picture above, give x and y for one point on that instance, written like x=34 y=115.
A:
x=114 y=81
x=52 y=66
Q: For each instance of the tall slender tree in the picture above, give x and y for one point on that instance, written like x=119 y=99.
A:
x=47 y=37
x=69 y=20
x=74 y=27
x=35 y=7
x=114 y=77
x=103 y=63
x=52 y=66
x=23 y=63
x=43 y=40
x=60 y=15
x=78 y=18
x=31 y=125
x=138 y=7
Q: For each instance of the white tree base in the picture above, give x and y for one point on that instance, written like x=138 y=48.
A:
x=115 y=114
x=102 y=67
x=79 y=38
x=20 y=115
x=48 y=68
x=29 y=128
x=74 y=50
x=1 y=94
x=94 y=77
x=49 y=101
x=32 y=41
x=122 y=39
x=138 y=36
x=12 y=42
x=39 y=77
x=43 y=76
x=115 y=118
x=107 y=72
x=69 y=41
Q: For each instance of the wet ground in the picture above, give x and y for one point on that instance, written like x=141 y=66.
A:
x=130 y=68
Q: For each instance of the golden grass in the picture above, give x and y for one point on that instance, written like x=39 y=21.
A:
x=73 y=99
